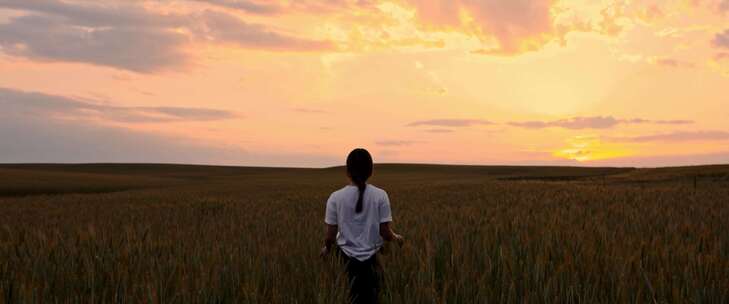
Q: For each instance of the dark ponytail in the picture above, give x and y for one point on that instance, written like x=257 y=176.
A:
x=362 y=187
x=359 y=167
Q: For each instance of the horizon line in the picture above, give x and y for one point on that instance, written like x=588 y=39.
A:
x=342 y=165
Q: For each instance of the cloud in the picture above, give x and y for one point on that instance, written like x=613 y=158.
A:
x=657 y=122
x=225 y=28
x=676 y=137
x=37 y=126
x=397 y=143
x=35 y=131
x=721 y=56
x=721 y=40
x=57 y=39
x=439 y=131
x=593 y=122
x=125 y=35
x=575 y=123
x=42 y=140
x=674 y=63
x=183 y=113
x=38 y=104
x=323 y=7
x=247 y=6
x=39 y=139
x=516 y=26
x=450 y=122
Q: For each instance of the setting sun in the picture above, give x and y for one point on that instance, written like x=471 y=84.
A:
x=590 y=148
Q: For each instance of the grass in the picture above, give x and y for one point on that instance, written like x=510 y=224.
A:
x=174 y=234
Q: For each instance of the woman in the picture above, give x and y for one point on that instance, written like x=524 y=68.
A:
x=358 y=219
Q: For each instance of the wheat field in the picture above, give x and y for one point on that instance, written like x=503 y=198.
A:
x=196 y=234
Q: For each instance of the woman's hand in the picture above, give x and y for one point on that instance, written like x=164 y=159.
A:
x=330 y=238
x=399 y=239
x=324 y=252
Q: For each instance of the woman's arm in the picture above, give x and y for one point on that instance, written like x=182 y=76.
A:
x=389 y=235
x=330 y=237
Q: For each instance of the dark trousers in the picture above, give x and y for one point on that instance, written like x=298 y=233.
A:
x=364 y=279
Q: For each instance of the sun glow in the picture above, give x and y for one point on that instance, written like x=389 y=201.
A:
x=587 y=148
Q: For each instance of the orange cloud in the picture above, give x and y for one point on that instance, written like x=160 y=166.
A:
x=252 y=7
x=516 y=26
x=714 y=135
x=721 y=56
x=228 y=29
x=721 y=40
x=593 y=122
x=673 y=63
x=450 y=122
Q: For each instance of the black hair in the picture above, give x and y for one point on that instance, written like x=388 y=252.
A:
x=359 y=167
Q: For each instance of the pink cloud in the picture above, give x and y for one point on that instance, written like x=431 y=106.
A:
x=252 y=7
x=439 y=131
x=517 y=26
x=450 y=122
x=593 y=122
x=721 y=56
x=674 y=63
x=711 y=135
x=721 y=40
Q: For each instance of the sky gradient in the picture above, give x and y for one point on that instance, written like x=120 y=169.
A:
x=300 y=83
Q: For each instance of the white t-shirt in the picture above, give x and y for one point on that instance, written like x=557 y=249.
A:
x=359 y=233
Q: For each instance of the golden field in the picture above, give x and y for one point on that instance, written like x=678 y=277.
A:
x=200 y=234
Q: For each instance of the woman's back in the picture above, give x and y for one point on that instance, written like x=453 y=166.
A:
x=358 y=219
x=359 y=232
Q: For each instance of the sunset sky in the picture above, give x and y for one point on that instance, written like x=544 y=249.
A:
x=302 y=82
